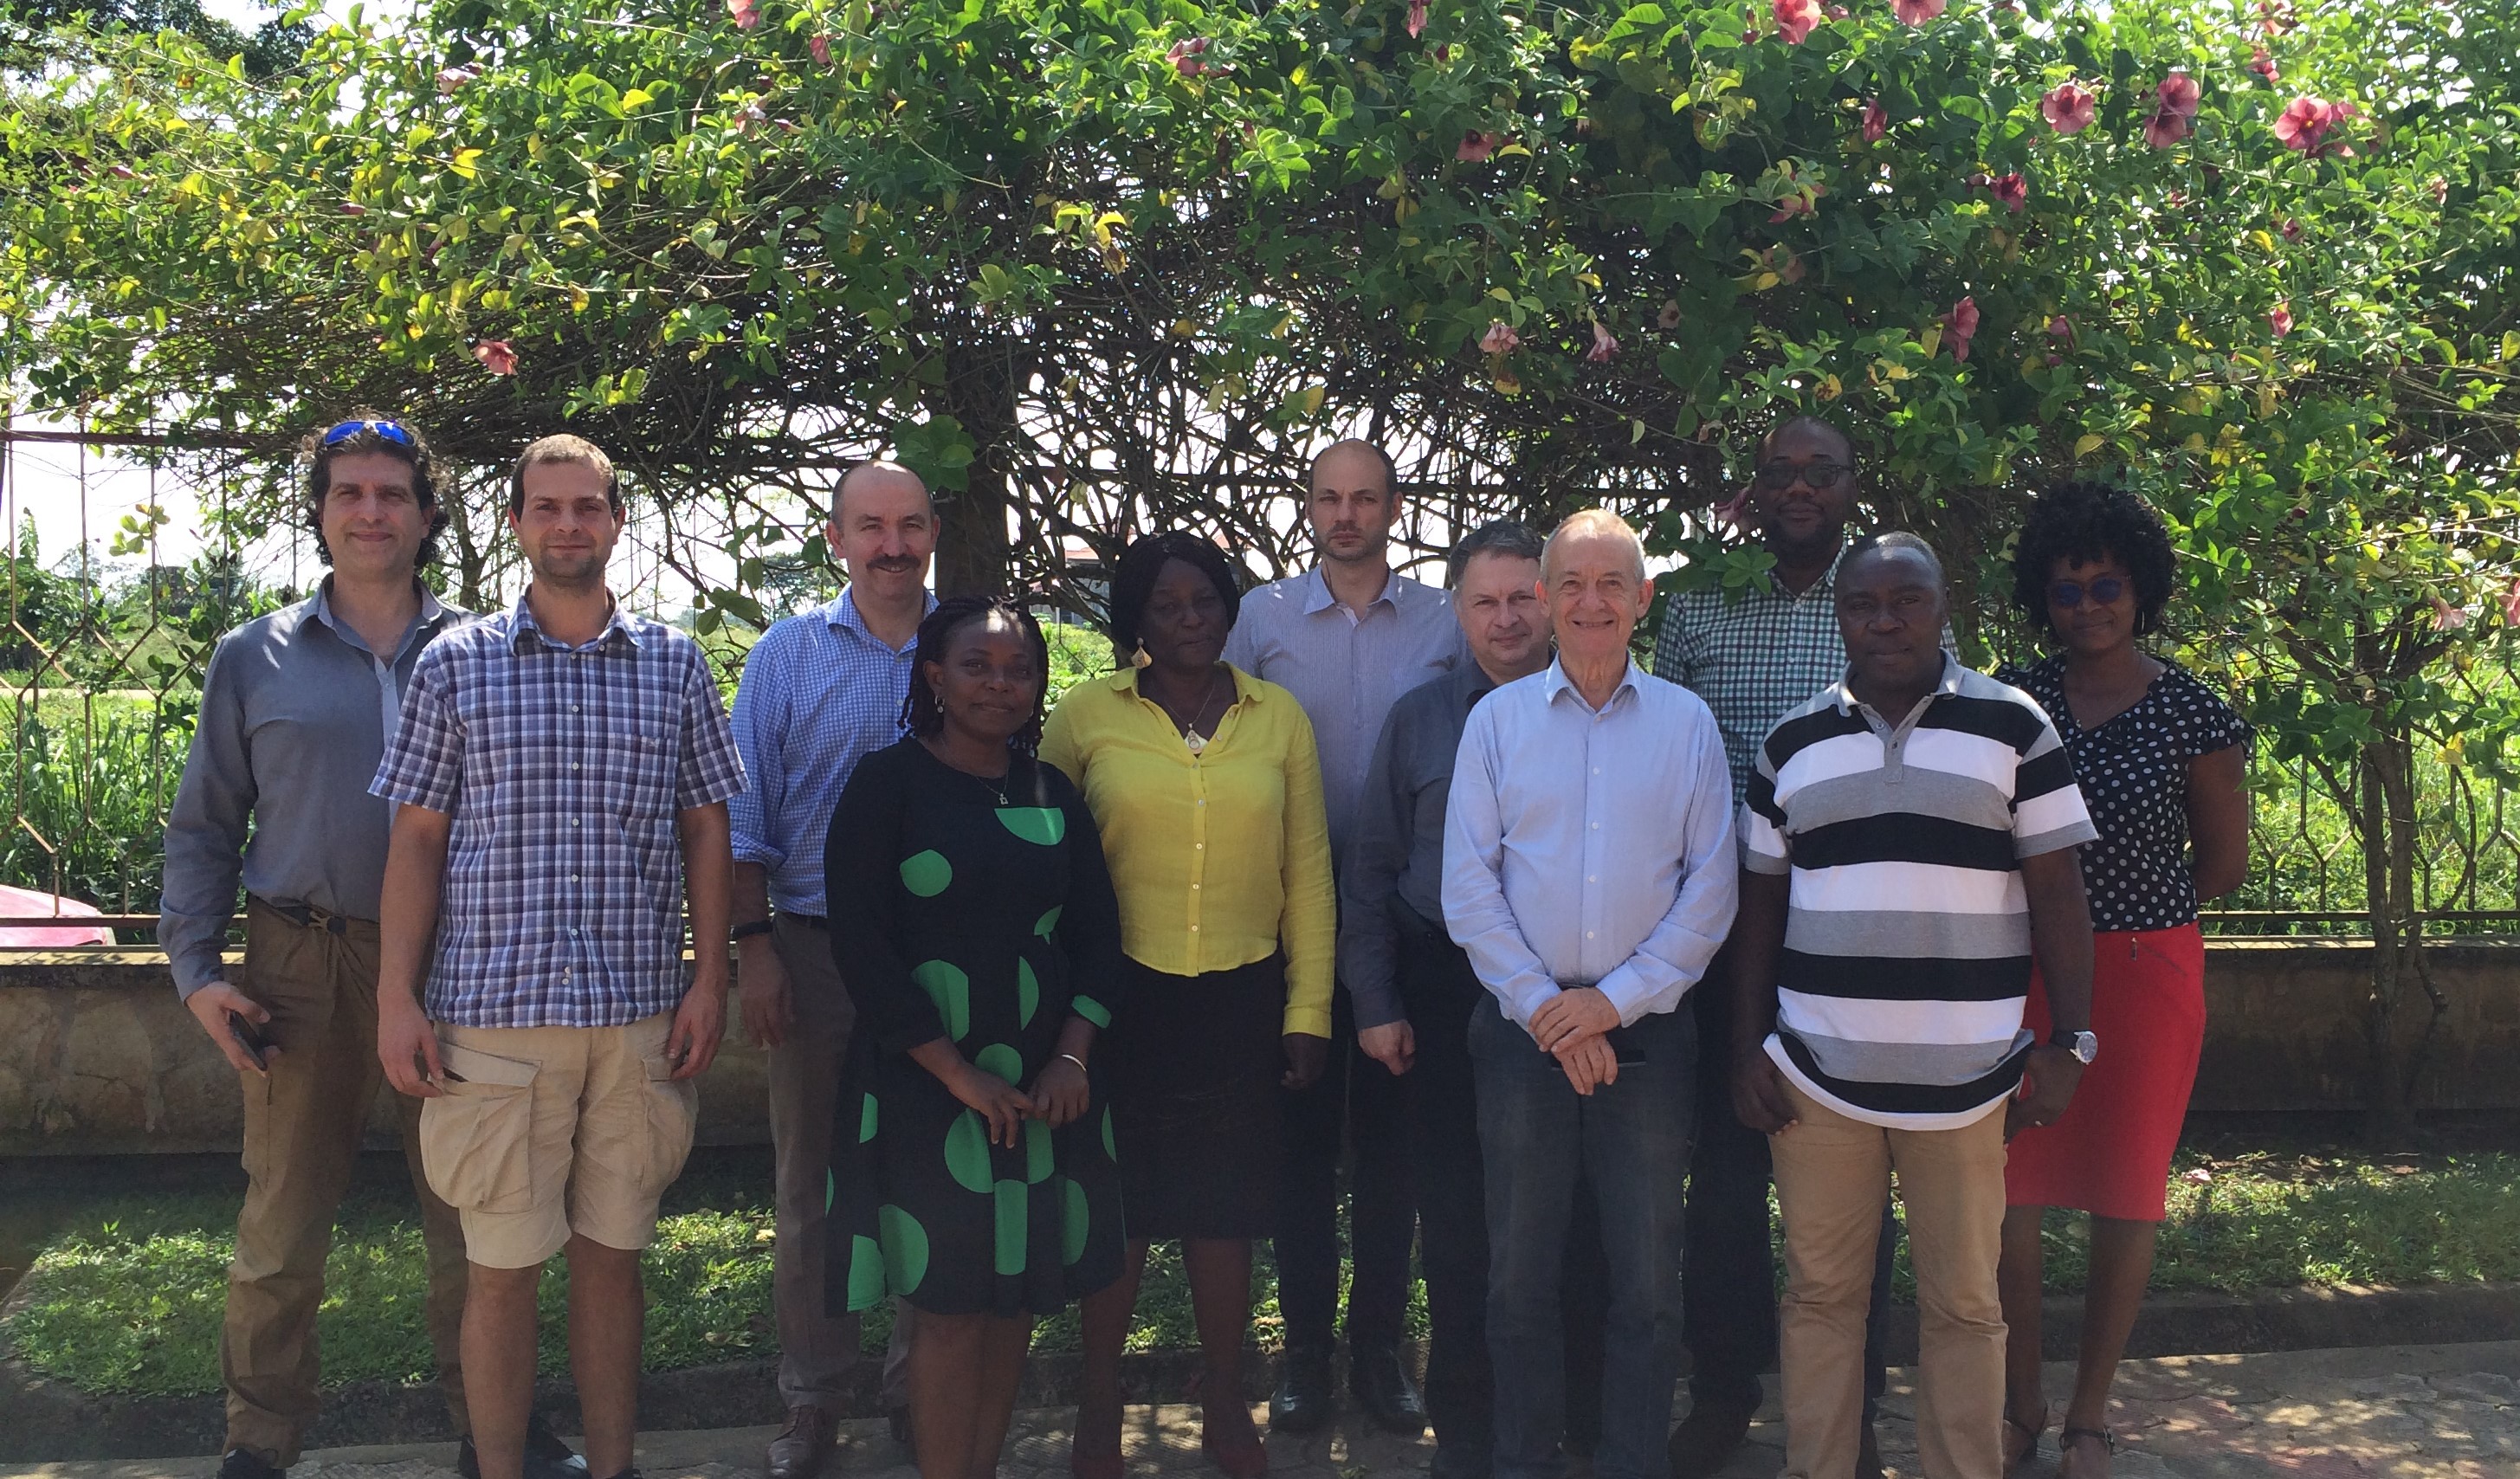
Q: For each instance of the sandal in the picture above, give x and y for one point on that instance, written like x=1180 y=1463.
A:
x=2017 y=1456
x=2066 y=1439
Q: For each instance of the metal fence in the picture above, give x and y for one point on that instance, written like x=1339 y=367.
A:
x=113 y=599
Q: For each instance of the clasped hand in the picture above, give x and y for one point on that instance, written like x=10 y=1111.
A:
x=1059 y=1095
x=1570 y=1026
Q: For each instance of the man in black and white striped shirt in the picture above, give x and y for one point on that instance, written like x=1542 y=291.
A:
x=1909 y=851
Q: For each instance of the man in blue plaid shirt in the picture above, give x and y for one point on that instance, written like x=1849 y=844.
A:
x=562 y=771
x=1754 y=656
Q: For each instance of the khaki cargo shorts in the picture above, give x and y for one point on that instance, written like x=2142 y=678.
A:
x=555 y=1131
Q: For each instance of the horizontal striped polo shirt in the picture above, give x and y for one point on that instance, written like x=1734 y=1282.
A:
x=1907 y=958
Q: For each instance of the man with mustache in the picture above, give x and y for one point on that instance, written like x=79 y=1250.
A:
x=560 y=772
x=1347 y=638
x=821 y=691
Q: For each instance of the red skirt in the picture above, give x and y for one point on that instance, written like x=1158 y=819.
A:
x=2110 y=1153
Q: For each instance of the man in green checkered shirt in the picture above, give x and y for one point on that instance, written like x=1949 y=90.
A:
x=1753 y=656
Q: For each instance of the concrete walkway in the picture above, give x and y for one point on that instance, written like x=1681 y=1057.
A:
x=2451 y=1411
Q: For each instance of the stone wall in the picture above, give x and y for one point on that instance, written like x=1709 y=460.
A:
x=98 y=1057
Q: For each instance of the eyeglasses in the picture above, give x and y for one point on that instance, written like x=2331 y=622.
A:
x=2069 y=594
x=1820 y=477
x=391 y=432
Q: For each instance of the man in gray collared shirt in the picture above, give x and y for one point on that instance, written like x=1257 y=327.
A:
x=295 y=712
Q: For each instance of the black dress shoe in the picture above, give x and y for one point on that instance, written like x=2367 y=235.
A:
x=1382 y=1386
x=248 y=1464
x=1302 y=1403
x=1706 y=1438
x=547 y=1456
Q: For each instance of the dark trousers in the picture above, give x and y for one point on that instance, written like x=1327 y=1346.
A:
x=1439 y=992
x=1631 y=1139
x=1730 y=1289
x=1356 y=1101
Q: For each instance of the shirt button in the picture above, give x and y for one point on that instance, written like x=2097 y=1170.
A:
x=1194 y=929
x=1588 y=935
x=1193 y=887
x=1591 y=877
x=1596 y=770
x=1201 y=846
x=572 y=822
x=1597 y=826
x=572 y=765
x=572 y=877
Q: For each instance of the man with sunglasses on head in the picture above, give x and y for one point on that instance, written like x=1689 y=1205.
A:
x=1753 y=656
x=295 y=708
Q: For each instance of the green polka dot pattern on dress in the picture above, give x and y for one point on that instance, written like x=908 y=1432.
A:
x=1013 y=1223
x=1001 y=1060
x=905 y=1248
x=927 y=874
x=966 y=1152
x=1042 y=825
x=951 y=990
x=1075 y=1221
x=1027 y=993
x=1048 y=924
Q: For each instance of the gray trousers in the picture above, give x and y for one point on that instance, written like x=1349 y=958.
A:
x=816 y=1349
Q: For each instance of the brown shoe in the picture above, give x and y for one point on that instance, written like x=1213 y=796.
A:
x=800 y=1448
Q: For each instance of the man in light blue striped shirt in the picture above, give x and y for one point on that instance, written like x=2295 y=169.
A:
x=1588 y=874
x=821 y=691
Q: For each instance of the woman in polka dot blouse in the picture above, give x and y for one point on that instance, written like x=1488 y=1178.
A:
x=2160 y=759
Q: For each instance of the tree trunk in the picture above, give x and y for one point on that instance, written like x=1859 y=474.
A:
x=973 y=553
x=2387 y=822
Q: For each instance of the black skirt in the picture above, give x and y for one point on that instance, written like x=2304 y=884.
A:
x=1193 y=1066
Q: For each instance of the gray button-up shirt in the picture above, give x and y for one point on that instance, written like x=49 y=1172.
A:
x=294 y=714
x=1395 y=858
x=1345 y=669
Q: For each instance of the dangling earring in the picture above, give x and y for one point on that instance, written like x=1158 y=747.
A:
x=1139 y=658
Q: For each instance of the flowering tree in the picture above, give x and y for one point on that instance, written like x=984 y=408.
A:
x=1080 y=259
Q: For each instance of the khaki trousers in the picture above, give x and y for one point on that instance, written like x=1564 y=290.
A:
x=1832 y=1173
x=303 y=1126
x=815 y=1348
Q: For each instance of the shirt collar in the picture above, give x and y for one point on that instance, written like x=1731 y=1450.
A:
x=841 y=613
x=1824 y=588
x=1318 y=598
x=615 y=624
x=1948 y=684
x=1556 y=682
x=430 y=610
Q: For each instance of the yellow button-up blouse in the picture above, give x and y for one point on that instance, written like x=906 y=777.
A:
x=1219 y=857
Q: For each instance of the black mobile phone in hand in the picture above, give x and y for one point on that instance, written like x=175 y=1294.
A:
x=249 y=1038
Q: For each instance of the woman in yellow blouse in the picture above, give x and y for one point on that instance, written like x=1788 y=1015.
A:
x=1204 y=783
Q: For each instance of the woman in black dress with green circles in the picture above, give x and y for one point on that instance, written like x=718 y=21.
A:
x=973 y=921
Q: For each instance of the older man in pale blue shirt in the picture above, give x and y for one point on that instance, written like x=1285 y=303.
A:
x=1589 y=873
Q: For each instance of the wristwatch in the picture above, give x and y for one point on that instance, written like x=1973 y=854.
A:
x=2081 y=1045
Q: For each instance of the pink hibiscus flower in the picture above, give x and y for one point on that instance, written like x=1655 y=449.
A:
x=496 y=356
x=1605 y=348
x=1500 y=338
x=1877 y=121
x=1960 y=326
x=2280 y=321
x=1795 y=19
x=2070 y=108
x=1918 y=12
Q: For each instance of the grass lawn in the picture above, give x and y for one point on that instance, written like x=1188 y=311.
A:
x=126 y=1295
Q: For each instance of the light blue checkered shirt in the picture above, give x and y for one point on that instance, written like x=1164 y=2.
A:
x=819 y=693
x=564 y=768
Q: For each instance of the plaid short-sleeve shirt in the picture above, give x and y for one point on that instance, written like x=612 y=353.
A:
x=565 y=768
x=1752 y=655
